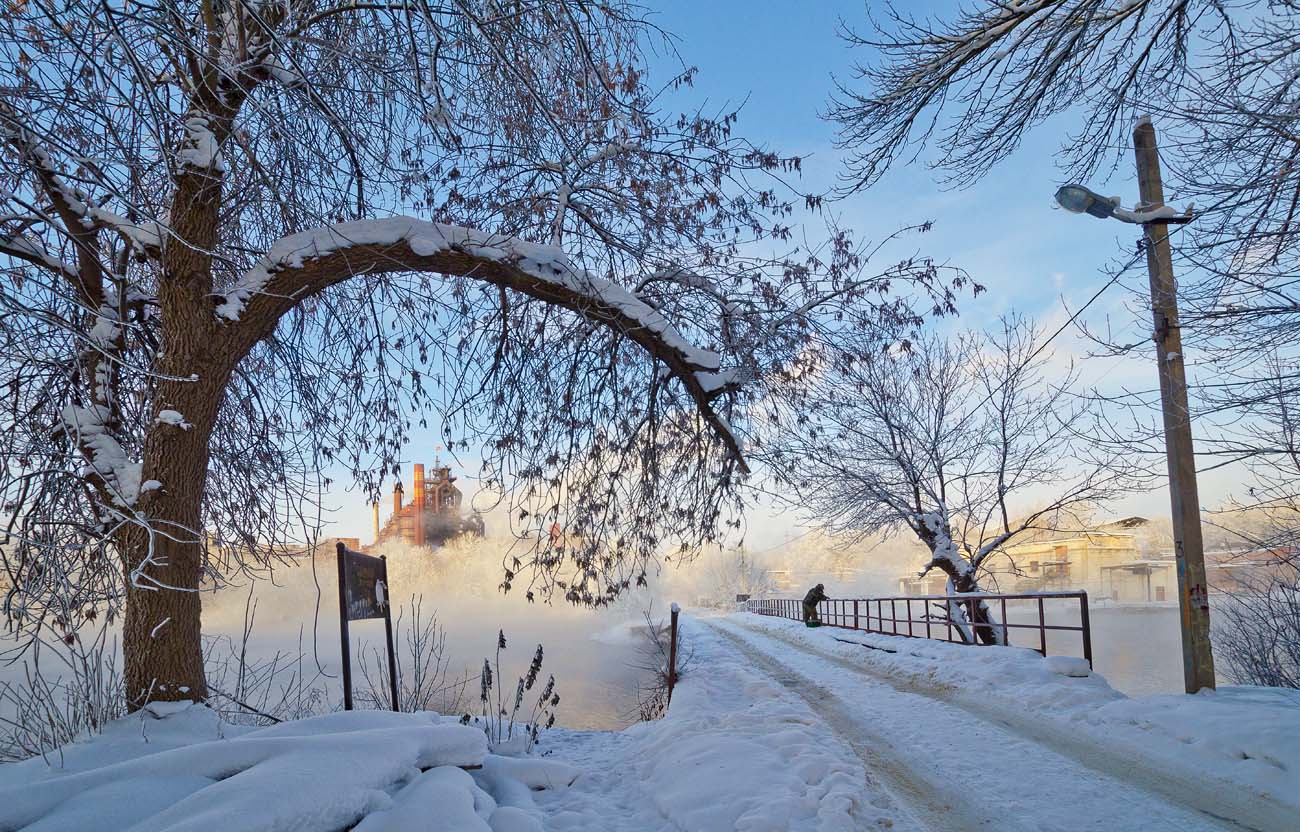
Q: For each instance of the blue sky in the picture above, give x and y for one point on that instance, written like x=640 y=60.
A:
x=1004 y=229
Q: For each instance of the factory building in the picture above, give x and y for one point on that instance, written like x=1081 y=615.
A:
x=432 y=517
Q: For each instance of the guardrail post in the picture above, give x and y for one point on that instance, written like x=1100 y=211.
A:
x=1087 y=627
x=855 y=614
x=672 y=653
x=1042 y=629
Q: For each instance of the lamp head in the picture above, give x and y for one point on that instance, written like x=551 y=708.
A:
x=1079 y=200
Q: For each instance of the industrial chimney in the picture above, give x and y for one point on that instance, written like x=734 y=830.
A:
x=397 y=499
x=419 y=504
x=374 y=517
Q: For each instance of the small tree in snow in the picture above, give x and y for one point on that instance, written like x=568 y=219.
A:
x=210 y=291
x=962 y=441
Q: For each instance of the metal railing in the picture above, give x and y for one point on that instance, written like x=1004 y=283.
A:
x=914 y=616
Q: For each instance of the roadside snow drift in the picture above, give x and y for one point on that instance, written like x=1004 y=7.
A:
x=178 y=767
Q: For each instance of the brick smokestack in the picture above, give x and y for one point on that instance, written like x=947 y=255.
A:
x=419 y=503
x=397 y=498
x=374 y=518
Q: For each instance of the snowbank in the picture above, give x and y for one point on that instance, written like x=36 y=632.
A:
x=179 y=767
x=1234 y=738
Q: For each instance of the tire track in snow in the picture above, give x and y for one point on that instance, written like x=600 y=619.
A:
x=1219 y=801
x=918 y=796
x=1010 y=789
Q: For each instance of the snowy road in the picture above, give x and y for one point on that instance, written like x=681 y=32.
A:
x=955 y=769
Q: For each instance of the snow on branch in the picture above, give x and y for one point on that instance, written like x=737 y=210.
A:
x=31 y=249
x=302 y=264
x=105 y=455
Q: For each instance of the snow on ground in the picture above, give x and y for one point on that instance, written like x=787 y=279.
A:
x=1234 y=752
x=773 y=728
x=737 y=751
x=179 y=767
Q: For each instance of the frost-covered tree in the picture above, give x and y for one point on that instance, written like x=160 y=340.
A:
x=965 y=442
x=244 y=240
x=731 y=572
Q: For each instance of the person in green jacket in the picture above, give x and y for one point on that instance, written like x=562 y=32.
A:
x=810 y=601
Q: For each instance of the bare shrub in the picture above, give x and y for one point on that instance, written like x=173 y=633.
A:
x=46 y=711
x=278 y=688
x=422 y=665
x=1258 y=633
x=261 y=691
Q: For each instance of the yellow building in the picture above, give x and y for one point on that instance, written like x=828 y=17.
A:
x=1107 y=562
x=1104 y=563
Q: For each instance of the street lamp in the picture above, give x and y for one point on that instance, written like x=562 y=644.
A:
x=1080 y=200
x=1154 y=217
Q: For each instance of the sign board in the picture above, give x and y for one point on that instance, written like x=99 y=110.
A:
x=363 y=593
x=365 y=585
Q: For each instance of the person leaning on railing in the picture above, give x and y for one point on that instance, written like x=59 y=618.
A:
x=810 y=601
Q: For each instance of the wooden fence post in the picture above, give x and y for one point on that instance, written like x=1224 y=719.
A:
x=343 y=627
x=672 y=653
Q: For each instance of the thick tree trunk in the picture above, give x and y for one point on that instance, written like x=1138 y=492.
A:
x=986 y=630
x=161 y=637
x=161 y=641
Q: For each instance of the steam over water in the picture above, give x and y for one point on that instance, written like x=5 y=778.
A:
x=594 y=655
x=1137 y=648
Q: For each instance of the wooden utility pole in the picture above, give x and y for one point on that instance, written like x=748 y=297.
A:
x=1189 y=550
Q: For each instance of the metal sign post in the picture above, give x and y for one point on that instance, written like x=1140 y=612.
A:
x=364 y=593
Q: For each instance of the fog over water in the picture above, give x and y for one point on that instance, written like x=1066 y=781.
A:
x=597 y=657
x=594 y=655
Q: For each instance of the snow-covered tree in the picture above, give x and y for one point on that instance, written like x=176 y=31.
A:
x=964 y=442
x=242 y=241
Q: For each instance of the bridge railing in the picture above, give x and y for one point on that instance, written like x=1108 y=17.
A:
x=926 y=616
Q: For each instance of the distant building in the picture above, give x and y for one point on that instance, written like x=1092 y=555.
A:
x=432 y=517
x=1235 y=570
x=1105 y=561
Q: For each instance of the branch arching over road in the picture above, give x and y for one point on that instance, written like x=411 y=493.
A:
x=302 y=265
